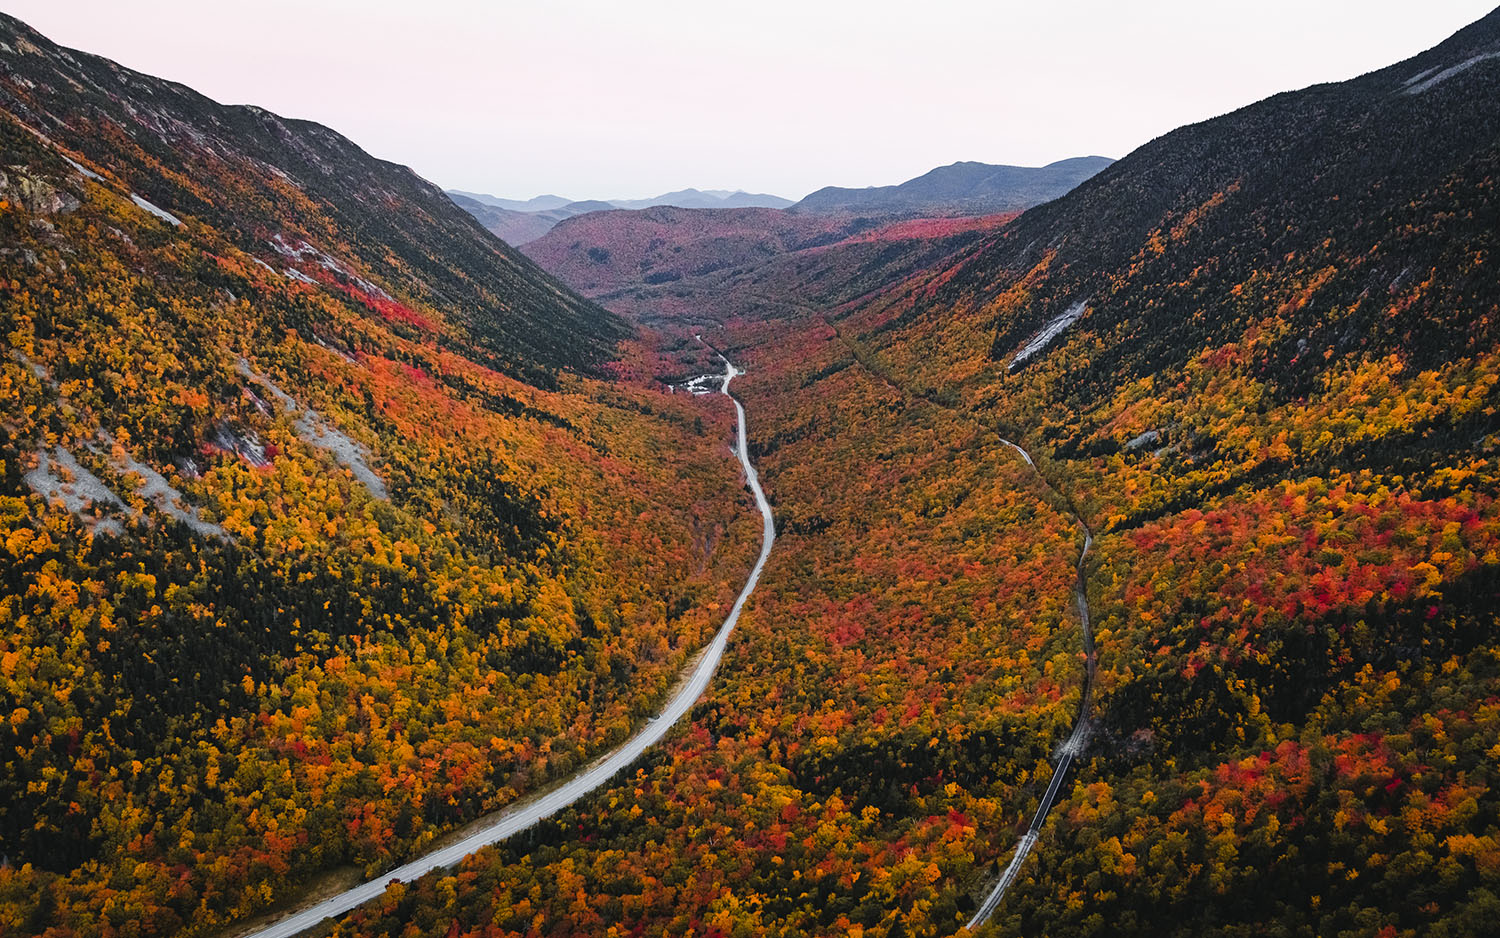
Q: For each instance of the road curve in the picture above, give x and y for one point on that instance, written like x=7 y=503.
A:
x=528 y=811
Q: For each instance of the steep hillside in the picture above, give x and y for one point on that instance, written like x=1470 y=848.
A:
x=1260 y=354
x=328 y=522
x=966 y=188
x=1365 y=206
x=253 y=175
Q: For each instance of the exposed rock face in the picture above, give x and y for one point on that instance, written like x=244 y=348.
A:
x=35 y=194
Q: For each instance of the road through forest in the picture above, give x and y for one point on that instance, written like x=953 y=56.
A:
x=528 y=811
x=1073 y=745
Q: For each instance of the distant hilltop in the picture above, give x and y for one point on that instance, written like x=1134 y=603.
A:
x=517 y=221
x=965 y=188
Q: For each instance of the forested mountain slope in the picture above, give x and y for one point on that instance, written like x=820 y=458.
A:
x=1261 y=356
x=1258 y=357
x=1359 y=192
x=328 y=522
x=253 y=176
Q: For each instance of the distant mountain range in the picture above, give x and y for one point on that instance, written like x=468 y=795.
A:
x=517 y=226
x=541 y=203
x=707 y=198
x=965 y=188
x=516 y=221
x=682 y=198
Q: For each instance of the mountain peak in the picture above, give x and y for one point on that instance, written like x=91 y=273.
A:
x=966 y=187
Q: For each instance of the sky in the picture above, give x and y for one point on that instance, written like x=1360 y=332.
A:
x=598 y=99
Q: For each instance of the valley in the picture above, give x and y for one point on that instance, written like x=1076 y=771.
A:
x=1107 y=547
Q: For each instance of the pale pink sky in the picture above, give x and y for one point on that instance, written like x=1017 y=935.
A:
x=600 y=99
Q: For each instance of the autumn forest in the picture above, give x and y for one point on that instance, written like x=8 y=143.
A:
x=1136 y=565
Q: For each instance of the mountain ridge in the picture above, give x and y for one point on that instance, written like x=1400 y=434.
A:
x=287 y=161
x=965 y=187
x=519 y=222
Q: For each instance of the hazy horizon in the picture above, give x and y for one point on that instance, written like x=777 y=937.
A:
x=721 y=190
x=591 y=100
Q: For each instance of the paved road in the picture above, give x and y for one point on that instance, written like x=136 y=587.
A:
x=529 y=811
x=1073 y=745
x=1071 y=748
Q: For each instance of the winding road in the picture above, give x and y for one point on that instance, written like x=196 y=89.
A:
x=528 y=811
